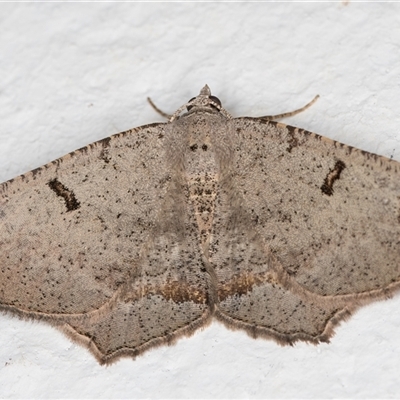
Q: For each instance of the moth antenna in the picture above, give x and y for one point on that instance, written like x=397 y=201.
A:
x=291 y=113
x=162 y=113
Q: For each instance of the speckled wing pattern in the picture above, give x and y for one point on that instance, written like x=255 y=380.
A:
x=145 y=236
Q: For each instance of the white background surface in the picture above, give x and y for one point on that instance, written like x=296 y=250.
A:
x=71 y=74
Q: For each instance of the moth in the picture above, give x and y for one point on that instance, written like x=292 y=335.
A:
x=148 y=235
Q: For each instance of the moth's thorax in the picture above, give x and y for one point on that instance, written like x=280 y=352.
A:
x=202 y=169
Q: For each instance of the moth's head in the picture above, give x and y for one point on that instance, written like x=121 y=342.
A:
x=204 y=100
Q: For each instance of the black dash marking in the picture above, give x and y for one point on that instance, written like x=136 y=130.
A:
x=69 y=197
x=333 y=175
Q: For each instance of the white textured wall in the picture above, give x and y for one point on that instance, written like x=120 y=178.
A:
x=74 y=73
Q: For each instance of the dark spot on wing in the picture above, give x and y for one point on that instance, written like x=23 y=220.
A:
x=333 y=175
x=68 y=195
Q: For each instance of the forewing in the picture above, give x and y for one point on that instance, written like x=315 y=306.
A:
x=306 y=229
x=329 y=213
x=71 y=230
x=101 y=243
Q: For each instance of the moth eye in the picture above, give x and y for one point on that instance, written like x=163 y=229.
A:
x=215 y=100
x=190 y=107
